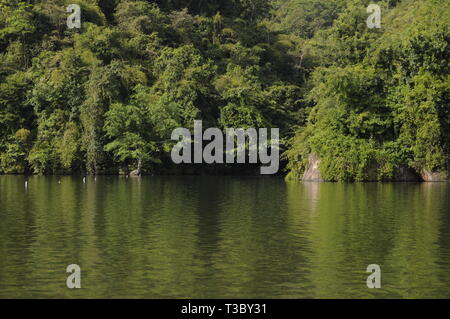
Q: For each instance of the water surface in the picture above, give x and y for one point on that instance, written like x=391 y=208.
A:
x=222 y=237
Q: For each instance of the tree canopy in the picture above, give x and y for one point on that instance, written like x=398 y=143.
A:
x=104 y=98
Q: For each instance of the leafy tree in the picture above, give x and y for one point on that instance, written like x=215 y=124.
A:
x=107 y=96
x=128 y=127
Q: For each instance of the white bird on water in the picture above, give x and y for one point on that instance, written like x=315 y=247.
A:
x=84 y=179
x=26 y=184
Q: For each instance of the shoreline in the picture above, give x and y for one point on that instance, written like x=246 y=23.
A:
x=231 y=176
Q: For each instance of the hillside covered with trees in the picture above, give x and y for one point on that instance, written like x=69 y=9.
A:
x=367 y=104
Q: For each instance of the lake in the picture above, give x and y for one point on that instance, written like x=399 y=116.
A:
x=222 y=237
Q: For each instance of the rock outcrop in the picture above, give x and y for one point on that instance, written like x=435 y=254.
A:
x=402 y=174
x=429 y=176
x=135 y=173
x=312 y=172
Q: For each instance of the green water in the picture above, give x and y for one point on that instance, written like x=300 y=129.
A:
x=222 y=237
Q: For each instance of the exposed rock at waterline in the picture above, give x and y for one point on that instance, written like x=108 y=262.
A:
x=402 y=174
x=429 y=176
x=312 y=172
x=135 y=173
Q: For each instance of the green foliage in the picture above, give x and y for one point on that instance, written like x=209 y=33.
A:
x=13 y=159
x=68 y=146
x=380 y=97
x=107 y=96
x=305 y=17
x=422 y=118
x=16 y=20
x=43 y=157
x=128 y=128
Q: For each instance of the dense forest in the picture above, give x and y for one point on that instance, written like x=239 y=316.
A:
x=354 y=102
